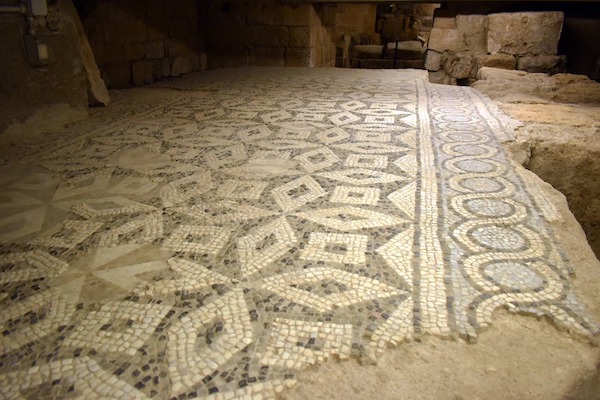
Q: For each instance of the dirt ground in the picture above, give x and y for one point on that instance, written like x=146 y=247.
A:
x=518 y=357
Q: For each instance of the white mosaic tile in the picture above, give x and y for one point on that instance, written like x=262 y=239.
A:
x=198 y=239
x=350 y=218
x=354 y=288
x=355 y=195
x=214 y=243
x=339 y=248
x=318 y=159
x=238 y=189
x=297 y=193
x=118 y=327
x=265 y=245
x=366 y=161
x=298 y=344
x=361 y=176
x=189 y=360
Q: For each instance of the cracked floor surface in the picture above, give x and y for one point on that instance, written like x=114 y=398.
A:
x=215 y=240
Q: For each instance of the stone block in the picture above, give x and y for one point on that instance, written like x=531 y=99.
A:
x=106 y=10
x=227 y=59
x=433 y=60
x=399 y=28
x=165 y=65
x=499 y=60
x=270 y=36
x=157 y=70
x=175 y=9
x=524 y=33
x=114 y=34
x=377 y=64
x=299 y=36
x=155 y=50
x=134 y=51
x=427 y=22
x=316 y=36
x=195 y=59
x=94 y=31
x=415 y=64
x=443 y=12
x=264 y=13
x=297 y=57
x=203 y=61
x=327 y=55
x=441 y=40
x=474 y=30
x=105 y=76
x=461 y=67
x=199 y=61
x=142 y=73
x=182 y=28
x=407 y=50
x=544 y=63
x=299 y=15
x=267 y=56
x=119 y=75
x=444 y=23
x=367 y=51
x=156 y=9
x=178 y=47
x=223 y=37
x=181 y=65
x=191 y=9
x=132 y=30
x=157 y=28
x=441 y=78
x=316 y=57
x=112 y=54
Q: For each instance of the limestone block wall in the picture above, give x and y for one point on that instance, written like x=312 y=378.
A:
x=136 y=42
x=265 y=33
x=459 y=45
x=322 y=43
x=351 y=19
x=37 y=100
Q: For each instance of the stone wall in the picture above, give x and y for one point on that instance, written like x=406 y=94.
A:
x=461 y=44
x=578 y=40
x=136 y=42
x=351 y=19
x=265 y=33
x=38 y=100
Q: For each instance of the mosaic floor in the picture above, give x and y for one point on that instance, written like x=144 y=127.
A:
x=214 y=241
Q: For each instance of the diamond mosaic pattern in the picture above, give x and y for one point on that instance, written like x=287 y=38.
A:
x=215 y=243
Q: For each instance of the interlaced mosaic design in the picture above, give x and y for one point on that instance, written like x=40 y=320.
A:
x=215 y=241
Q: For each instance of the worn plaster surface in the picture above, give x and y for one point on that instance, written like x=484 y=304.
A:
x=216 y=240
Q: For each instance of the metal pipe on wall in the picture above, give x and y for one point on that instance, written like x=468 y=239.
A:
x=18 y=9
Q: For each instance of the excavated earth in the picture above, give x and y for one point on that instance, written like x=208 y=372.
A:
x=558 y=140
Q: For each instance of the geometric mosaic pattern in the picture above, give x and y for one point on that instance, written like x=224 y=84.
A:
x=214 y=242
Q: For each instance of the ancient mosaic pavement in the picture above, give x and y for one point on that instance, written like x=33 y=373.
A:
x=214 y=242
